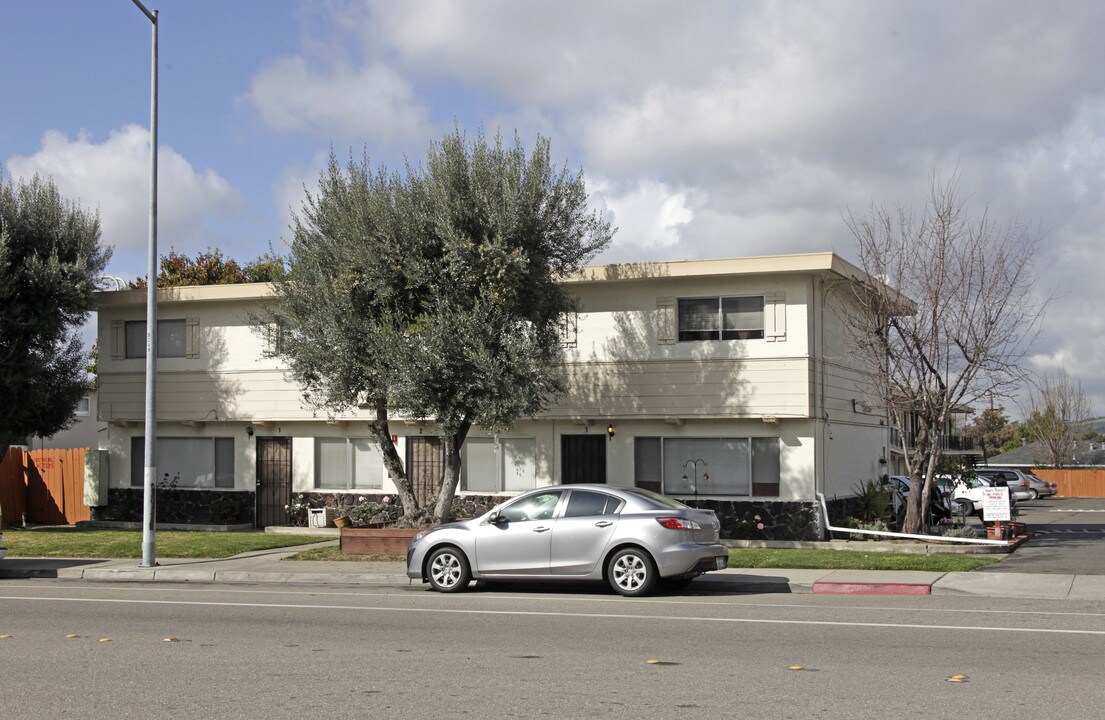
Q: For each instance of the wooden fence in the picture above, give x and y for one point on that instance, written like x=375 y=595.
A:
x=47 y=485
x=1075 y=483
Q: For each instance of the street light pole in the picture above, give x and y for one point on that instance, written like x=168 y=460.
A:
x=149 y=519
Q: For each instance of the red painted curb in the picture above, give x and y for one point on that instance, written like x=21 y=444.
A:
x=846 y=588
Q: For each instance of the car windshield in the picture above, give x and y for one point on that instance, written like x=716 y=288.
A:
x=657 y=498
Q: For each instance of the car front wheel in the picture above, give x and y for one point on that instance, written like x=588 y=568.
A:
x=1034 y=494
x=631 y=572
x=447 y=570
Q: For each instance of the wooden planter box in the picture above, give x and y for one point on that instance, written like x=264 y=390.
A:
x=376 y=541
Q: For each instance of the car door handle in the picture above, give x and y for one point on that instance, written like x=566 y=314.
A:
x=603 y=523
x=541 y=529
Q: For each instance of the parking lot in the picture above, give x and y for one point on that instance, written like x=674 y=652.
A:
x=1068 y=537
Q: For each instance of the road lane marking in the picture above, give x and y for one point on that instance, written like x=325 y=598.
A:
x=473 y=596
x=541 y=613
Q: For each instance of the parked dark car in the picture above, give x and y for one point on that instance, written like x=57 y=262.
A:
x=941 y=504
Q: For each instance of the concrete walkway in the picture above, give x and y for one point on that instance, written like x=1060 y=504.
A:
x=269 y=566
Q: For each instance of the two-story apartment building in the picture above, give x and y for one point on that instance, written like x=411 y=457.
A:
x=721 y=382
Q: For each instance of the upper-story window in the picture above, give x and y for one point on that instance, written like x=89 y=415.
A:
x=170 y=338
x=721 y=318
x=84 y=407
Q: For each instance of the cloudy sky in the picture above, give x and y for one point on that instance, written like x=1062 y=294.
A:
x=705 y=129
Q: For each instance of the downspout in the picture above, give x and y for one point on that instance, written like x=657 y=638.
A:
x=818 y=290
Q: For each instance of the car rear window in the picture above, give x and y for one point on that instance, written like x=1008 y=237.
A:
x=657 y=498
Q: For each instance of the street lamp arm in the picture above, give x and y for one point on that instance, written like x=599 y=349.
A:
x=151 y=15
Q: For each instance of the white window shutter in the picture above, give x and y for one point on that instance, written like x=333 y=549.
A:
x=665 y=321
x=192 y=339
x=775 y=316
x=118 y=340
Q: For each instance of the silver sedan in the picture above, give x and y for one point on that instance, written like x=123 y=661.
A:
x=629 y=537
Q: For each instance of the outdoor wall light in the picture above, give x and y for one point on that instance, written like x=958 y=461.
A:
x=249 y=431
x=610 y=431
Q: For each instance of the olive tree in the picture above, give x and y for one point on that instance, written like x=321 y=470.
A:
x=51 y=260
x=434 y=293
x=941 y=319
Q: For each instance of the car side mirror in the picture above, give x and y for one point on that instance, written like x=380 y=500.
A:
x=496 y=519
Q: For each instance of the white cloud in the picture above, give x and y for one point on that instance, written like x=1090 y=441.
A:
x=649 y=215
x=722 y=129
x=338 y=101
x=114 y=177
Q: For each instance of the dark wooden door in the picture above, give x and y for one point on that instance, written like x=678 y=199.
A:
x=274 y=480
x=584 y=459
x=425 y=466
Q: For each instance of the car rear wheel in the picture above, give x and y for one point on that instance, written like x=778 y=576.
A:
x=631 y=572
x=447 y=570
x=966 y=506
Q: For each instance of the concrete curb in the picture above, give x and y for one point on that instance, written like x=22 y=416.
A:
x=266 y=567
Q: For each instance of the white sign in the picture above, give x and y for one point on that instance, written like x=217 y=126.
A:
x=995 y=503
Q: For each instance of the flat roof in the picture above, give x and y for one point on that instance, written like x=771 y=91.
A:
x=822 y=262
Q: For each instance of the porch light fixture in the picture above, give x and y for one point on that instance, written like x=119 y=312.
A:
x=610 y=431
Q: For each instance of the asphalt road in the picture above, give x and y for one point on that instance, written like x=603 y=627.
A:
x=256 y=652
x=1068 y=537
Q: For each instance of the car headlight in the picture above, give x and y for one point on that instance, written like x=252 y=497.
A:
x=422 y=534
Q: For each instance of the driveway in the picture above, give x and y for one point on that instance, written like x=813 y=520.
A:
x=1068 y=537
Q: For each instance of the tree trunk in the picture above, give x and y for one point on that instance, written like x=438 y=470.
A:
x=451 y=479
x=382 y=434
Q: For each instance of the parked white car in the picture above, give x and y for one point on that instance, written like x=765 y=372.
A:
x=968 y=493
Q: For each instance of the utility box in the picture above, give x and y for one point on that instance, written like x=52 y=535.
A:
x=321 y=517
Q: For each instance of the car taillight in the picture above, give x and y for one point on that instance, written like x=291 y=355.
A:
x=674 y=523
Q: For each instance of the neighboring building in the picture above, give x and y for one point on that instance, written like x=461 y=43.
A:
x=953 y=438
x=737 y=364
x=83 y=433
x=1084 y=454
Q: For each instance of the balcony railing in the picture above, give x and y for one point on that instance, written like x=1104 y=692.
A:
x=948 y=443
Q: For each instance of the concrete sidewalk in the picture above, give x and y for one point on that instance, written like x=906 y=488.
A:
x=269 y=566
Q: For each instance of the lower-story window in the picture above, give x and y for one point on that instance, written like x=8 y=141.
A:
x=738 y=467
x=348 y=464
x=186 y=461
x=506 y=466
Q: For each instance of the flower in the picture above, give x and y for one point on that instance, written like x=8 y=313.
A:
x=759 y=526
x=386 y=499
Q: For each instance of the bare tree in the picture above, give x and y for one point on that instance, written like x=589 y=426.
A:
x=941 y=319
x=1057 y=406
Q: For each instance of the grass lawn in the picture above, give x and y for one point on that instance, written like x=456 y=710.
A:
x=765 y=558
x=87 y=543
x=96 y=543
x=853 y=560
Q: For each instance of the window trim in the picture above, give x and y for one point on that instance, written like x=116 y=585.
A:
x=349 y=467
x=138 y=456
x=500 y=460
x=751 y=460
x=759 y=333
x=161 y=322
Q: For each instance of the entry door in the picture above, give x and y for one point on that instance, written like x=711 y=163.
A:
x=274 y=480
x=425 y=466
x=584 y=459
